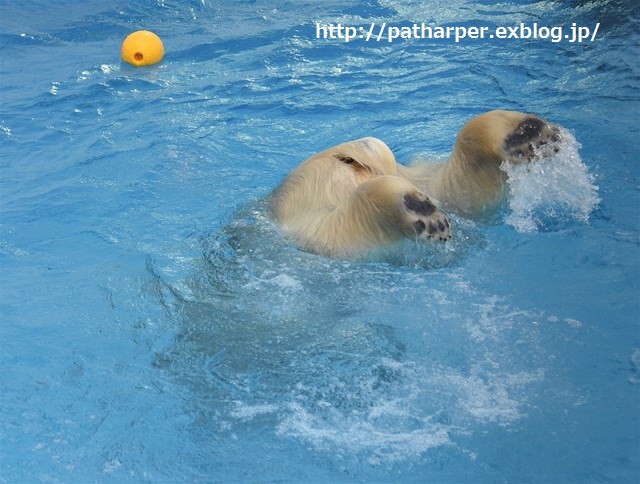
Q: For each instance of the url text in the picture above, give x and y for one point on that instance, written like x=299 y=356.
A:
x=389 y=33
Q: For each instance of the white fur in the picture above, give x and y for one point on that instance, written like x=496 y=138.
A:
x=353 y=196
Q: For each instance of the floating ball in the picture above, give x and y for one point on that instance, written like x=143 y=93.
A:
x=142 y=48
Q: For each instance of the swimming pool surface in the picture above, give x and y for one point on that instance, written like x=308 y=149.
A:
x=156 y=327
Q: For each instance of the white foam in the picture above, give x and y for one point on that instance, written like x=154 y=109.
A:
x=428 y=408
x=286 y=282
x=496 y=398
x=244 y=411
x=551 y=191
x=111 y=466
x=365 y=433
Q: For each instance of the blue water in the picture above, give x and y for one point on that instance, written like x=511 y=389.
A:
x=156 y=327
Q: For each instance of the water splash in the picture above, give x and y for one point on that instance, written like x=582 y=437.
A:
x=551 y=192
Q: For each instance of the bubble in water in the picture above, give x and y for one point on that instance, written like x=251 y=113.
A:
x=550 y=191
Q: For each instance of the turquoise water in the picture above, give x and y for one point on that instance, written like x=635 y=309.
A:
x=155 y=326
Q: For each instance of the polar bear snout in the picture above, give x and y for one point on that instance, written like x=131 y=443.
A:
x=532 y=139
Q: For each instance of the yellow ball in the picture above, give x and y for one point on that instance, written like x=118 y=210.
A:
x=142 y=48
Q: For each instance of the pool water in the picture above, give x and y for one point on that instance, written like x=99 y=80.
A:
x=156 y=326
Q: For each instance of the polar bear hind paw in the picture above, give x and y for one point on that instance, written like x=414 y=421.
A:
x=533 y=138
x=426 y=222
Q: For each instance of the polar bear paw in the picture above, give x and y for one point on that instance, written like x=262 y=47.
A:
x=533 y=138
x=424 y=221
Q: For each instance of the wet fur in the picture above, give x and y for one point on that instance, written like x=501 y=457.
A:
x=355 y=196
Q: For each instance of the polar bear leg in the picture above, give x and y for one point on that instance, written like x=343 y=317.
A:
x=380 y=211
x=395 y=204
x=472 y=182
x=500 y=135
x=426 y=221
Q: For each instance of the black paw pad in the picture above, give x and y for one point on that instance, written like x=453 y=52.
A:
x=528 y=130
x=419 y=227
x=422 y=207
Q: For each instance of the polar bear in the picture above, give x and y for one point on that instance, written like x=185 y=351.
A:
x=354 y=196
